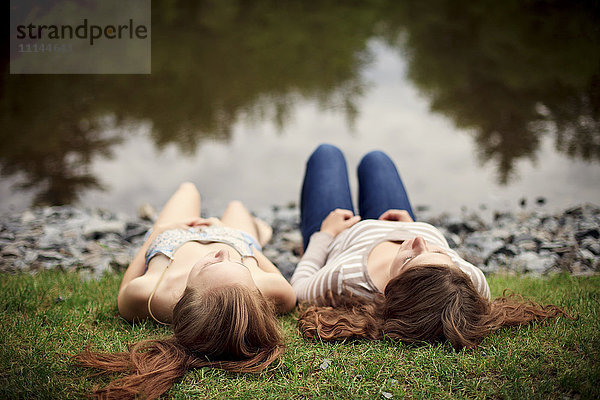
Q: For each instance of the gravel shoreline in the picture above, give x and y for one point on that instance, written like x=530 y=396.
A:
x=95 y=241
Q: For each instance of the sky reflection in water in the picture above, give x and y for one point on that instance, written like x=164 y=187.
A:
x=262 y=165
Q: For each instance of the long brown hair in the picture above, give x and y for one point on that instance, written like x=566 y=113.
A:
x=233 y=328
x=422 y=304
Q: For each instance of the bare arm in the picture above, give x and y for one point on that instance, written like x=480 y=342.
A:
x=137 y=266
x=134 y=289
x=276 y=287
x=133 y=299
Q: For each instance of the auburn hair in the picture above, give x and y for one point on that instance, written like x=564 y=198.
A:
x=233 y=328
x=429 y=303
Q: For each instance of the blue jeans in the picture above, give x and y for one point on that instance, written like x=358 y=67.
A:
x=326 y=188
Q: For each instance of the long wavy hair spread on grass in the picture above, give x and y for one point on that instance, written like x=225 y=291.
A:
x=422 y=304
x=232 y=328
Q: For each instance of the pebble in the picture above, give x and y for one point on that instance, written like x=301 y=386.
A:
x=326 y=363
x=96 y=241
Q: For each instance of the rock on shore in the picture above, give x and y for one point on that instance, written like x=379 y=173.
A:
x=534 y=242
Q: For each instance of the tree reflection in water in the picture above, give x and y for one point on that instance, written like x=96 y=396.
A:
x=507 y=71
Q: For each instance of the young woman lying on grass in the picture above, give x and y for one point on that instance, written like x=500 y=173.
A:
x=386 y=275
x=208 y=279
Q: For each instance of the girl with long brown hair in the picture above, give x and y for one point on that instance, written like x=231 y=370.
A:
x=208 y=279
x=381 y=274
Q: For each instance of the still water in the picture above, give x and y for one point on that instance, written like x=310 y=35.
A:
x=478 y=107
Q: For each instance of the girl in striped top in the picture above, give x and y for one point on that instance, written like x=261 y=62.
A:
x=380 y=273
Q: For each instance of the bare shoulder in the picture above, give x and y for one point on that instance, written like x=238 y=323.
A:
x=133 y=298
x=264 y=263
x=277 y=289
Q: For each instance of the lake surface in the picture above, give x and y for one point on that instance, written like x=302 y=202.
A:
x=482 y=106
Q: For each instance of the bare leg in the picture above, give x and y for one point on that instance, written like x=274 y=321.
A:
x=237 y=216
x=183 y=205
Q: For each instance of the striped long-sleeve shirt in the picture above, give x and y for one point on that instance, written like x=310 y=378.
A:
x=340 y=264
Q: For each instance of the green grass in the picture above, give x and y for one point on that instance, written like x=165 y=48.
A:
x=47 y=317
